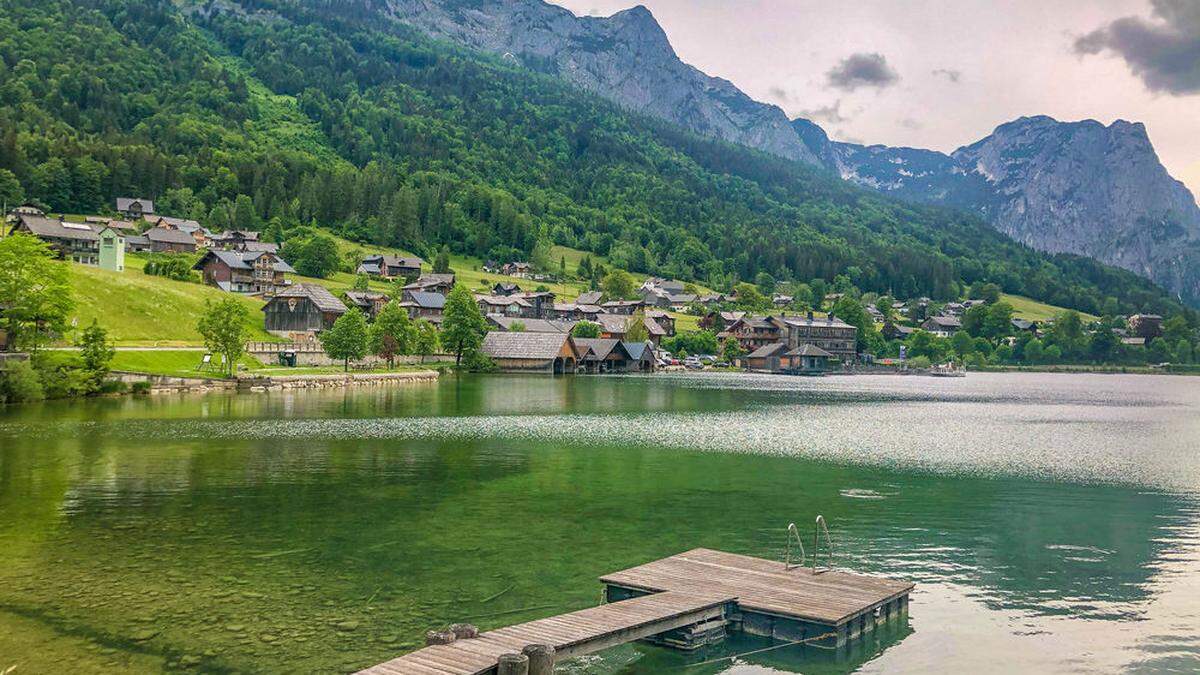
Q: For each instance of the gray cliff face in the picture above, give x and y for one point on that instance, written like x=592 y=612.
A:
x=1077 y=187
x=625 y=58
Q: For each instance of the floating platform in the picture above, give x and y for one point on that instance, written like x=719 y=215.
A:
x=773 y=600
x=685 y=601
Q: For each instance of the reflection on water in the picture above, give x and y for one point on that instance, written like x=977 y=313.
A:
x=1050 y=522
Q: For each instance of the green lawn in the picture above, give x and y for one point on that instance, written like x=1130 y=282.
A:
x=275 y=370
x=177 y=362
x=139 y=309
x=1032 y=310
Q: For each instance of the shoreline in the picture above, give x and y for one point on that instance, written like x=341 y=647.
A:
x=171 y=384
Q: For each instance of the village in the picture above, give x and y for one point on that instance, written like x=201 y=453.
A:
x=530 y=328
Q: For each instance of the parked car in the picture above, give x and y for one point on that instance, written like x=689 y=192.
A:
x=693 y=362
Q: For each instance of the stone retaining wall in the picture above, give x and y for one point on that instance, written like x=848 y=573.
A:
x=165 y=384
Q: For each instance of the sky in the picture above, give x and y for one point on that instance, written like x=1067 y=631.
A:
x=941 y=74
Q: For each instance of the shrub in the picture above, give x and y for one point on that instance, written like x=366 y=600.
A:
x=919 y=362
x=112 y=387
x=20 y=383
x=142 y=387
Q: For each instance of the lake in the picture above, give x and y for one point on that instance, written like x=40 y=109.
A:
x=1050 y=522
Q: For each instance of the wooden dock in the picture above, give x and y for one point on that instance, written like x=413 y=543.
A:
x=686 y=600
x=583 y=632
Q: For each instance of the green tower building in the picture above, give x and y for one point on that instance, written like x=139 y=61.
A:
x=112 y=250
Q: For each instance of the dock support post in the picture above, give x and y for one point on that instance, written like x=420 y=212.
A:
x=541 y=659
x=513 y=664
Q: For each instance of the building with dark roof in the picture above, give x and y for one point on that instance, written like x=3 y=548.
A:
x=768 y=357
x=238 y=272
x=134 y=207
x=391 y=266
x=370 y=302
x=77 y=242
x=806 y=360
x=431 y=283
x=942 y=326
x=554 y=353
x=589 y=298
x=423 y=305
x=164 y=240
x=828 y=333
x=303 y=308
x=508 y=323
x=603 y=355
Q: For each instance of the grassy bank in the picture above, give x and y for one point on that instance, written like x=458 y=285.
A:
x=175 y=362
x=1032 y=310
x=139 y=309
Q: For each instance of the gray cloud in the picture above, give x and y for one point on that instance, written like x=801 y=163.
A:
x=910 y=123
x=831 y=114
x=862 y=70
x=1165 y=53
x=778 y=94
x=948 y=73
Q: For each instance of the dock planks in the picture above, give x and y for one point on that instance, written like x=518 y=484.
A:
x=764 y=585
x=573 y=634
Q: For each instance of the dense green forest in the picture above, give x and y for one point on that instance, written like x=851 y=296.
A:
x=276 y=114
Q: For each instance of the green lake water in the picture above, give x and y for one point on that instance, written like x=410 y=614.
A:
x=1050 y=522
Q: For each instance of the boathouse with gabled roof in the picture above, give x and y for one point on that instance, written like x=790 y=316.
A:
x=524 y=352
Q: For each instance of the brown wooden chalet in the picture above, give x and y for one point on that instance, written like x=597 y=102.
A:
x=430 y=283
x=370 y=302
x=134 y=207
x=304 y=308
x=77 y=242
x=239 y=272
x=164 y=240
x=390 y=266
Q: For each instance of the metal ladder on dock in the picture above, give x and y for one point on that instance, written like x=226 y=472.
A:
x=794 y=539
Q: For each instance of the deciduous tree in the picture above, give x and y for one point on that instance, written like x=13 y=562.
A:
x=223 y=327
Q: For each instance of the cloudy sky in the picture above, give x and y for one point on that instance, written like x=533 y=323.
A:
x=943 y=73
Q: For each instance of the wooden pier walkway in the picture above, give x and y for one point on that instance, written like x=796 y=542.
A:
x=686 y=600
x=583 y=632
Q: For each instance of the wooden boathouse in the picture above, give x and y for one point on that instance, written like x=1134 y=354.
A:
x=686 y=601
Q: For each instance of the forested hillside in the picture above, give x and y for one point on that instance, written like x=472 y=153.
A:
x=276 y=113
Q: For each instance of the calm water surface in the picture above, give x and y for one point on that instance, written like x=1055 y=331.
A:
x=1051 y=522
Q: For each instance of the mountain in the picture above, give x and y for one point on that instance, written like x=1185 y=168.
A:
x=284 y=114
x=1074 y=188
x=1062 y=187
x=625 y=58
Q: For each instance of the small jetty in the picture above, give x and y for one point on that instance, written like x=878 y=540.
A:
x=684 y=601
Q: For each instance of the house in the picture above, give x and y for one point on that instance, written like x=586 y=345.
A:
x=232 y=240
x=249 y=246
x=391 y=266
x=767 y=357
x=134 y=207
x=430 y=283
x=641 y=356
x=76 y=242
x=508 y=323
x=1024 y=325
x=370 y=302
x=137 y=243
x=238 y=272
x=829 y=333
x=532 y=352
x=622 y=306
x=719 y=321
x=191 y=227
x=423 y=305
x=505 y=288
x=303 y=308
x=894 y=331
x=506 y=305
x=516 y=269
x=573 y=311
x=613 y=326
x=807 y=360
x=111 y=254
x=542 y=302
x=603 y=355
x=163 y=240
x=100 y=222
x=589 y=298
x=781 y=300
x=710 y=299
x=754 y=332
x=942 y=326
x=1148 y=326
x=663 y=319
